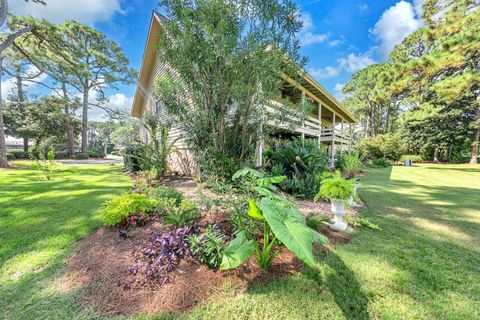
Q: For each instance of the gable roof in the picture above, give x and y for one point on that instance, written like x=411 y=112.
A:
x=307 y=83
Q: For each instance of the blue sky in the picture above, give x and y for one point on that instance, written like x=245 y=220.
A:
x=339 y=37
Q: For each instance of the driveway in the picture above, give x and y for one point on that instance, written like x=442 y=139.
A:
x=111 y=159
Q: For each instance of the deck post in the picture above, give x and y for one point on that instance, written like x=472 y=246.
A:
x=342 y=134
x=303 y=121
x=319 y=124
x=351 y=137
x=333 y=140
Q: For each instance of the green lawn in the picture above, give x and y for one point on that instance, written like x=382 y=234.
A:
x=39 y=221
x=423 y=264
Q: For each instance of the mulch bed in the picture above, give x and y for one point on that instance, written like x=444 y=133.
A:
x=101 y=262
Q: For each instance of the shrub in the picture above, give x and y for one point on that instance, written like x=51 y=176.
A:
x=92 y=153
x=116 y=210
x=352 y=164
x=11 y=156
x=81 y=156
x=208 y=247
x=386 y=146
x=182 y=214
x=336 y=188
x=380 y=162
x=132 y=157
x=161 y=192
x=46 y=164
x=20 y=154
x=302 y=162
x=160 y=256
x=413 y=157
x=60 y=155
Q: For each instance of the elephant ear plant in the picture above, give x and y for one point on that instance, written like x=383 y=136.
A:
x=283 y=225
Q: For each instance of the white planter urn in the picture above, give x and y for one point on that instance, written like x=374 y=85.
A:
x=338 y=209
x=352 y=202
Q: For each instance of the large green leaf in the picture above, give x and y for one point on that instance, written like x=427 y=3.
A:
x=237 y=252
x=253 y=210
x=290 y=228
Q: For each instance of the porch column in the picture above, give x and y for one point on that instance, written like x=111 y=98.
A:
x=333 y=139
x=342 y=134
x=303 y=121
x=351 y=137
x=319 y=124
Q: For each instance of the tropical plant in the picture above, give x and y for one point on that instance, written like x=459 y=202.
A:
x=242 y=46
x=46 y=165
x=336 y=187
x=182 y=214
x=356 y=222
x=208 y=246
x=158 y=149
x=116 y=210
x=352 y=164
x=160 y=256
x=302 y=161
x=283 y=224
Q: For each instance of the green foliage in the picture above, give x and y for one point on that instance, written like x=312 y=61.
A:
x=231 y=66
x=315 y=221
x=237 y=252
x=46 y=164
x=302 y=162
x=179 y=215
x=165 y=192
x=20 y=154
x=61 y=155
x=209 y=246
x=117 y=209
x=388 y=146
x=81 y=156
x=283 y=224
x=157 y=150
x=413 y=157
x=357 y=222
x=351 y=164
x=336 y=188
x=132 y=157
x=380 y=162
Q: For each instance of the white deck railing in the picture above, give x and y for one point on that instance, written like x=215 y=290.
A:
x=311 y=126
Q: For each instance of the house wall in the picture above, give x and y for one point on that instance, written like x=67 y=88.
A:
x=181 y=159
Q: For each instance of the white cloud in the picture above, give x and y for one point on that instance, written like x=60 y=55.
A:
x=307 y=35
x=117 y=101
x=395 y=24
x=337 y=91
x=336 y=42
x=9 y=86
x=324 y=73
x=363 y=6
x=57 y=11
x=352 y=63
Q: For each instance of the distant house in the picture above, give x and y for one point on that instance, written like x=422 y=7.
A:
x=329 y=123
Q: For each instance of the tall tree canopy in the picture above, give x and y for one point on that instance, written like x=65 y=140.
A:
x=225 y=62
x=83 y=58
x=434 y=76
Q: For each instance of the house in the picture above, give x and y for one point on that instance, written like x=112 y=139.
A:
x=329 y=122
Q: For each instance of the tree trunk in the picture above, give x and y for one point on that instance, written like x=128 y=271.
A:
x=21 y=107
x=476 y=137
x=3 y=146
x=85 y=118
x=70 y=134
x=449 y=153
